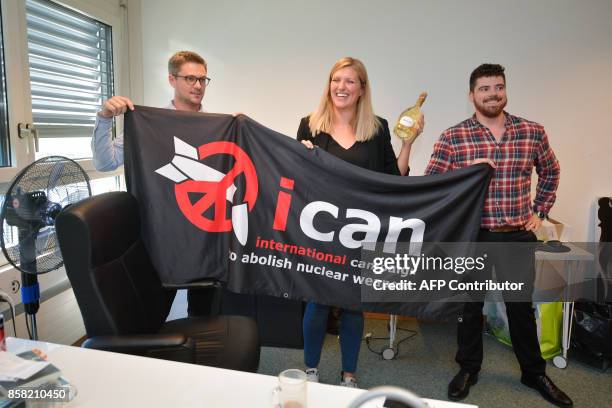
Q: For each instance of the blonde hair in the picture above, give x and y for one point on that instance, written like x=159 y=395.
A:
x=365 y=123
x=178 y=59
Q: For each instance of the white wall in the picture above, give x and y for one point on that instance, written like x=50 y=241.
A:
x=270 y=59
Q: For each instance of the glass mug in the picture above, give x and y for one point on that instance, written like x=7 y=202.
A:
x=291 y=390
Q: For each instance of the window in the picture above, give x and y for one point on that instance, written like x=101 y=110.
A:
x=4 y=133
x=56 y=69
x=71 y=74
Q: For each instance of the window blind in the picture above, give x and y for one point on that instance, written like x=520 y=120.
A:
x=71 y=69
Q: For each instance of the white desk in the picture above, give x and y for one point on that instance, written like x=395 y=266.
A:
x=106 y=379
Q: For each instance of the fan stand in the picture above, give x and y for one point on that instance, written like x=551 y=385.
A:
x=28 y=208
x=30 y=290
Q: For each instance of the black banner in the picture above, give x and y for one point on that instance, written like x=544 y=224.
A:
x=225 y=197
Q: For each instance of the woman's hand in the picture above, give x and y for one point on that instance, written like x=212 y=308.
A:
x=308 y=144
x=420 y=125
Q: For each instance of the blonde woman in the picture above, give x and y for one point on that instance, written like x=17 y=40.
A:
x=344 y=125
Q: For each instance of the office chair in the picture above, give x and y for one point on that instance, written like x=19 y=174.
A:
x=122 y=300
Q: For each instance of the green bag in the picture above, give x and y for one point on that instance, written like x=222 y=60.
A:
x=549 y=319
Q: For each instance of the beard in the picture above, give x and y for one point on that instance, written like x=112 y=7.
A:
x=491 y=111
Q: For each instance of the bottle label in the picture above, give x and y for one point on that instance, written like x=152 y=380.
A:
x=406 y=121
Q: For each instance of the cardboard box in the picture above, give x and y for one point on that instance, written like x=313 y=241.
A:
x=552 y=229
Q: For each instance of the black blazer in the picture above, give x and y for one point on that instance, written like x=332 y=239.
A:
x=382 y=157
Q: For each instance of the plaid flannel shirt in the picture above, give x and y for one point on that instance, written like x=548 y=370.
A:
x=523 y=146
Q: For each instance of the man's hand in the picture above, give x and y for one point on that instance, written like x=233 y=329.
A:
x=533 y=224
x=117 y=105
x=483 y=160
x=308 y=144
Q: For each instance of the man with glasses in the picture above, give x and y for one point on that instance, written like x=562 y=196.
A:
x=187 y=75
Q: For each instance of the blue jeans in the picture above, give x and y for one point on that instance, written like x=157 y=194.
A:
x=315 y=326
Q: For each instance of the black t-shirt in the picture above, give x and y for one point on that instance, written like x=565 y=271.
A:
x=375 y=154
x=358 y=154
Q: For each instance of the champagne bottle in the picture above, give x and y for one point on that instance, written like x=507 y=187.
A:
x=406 y=125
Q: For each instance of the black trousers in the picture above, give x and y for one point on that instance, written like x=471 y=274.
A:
x=200 y=301
x=514 y=264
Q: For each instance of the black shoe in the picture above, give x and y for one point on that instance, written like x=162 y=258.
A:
x=459 y=387
x=548 y=389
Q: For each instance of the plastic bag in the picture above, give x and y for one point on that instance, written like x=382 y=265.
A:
x=549 y=320
x=592 y=329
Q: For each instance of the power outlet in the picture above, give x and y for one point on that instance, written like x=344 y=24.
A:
x=10 y=282
x=15 y=286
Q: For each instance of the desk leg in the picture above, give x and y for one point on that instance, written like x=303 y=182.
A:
x=570 y=310
x=568 y=317
x=389 y=353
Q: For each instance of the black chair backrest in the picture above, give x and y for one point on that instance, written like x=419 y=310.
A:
x=114 y=282
x=605 y=250
x=605 y=218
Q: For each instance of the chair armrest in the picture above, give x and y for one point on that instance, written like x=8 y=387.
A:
x=176 y=347
x=201 y=284
x=135 y=343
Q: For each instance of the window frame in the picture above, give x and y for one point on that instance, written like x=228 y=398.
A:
x=4 y=123
x=112 y=13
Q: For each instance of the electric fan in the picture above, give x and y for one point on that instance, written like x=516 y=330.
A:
x=27 y=222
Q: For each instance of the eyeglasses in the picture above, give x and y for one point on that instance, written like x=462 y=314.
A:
x=191 y=80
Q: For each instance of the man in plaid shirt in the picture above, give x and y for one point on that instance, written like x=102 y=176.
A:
x=513 y=146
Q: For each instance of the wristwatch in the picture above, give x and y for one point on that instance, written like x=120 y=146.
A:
x=542 y=215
